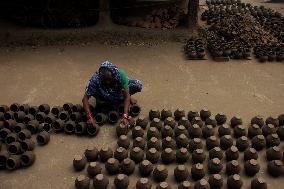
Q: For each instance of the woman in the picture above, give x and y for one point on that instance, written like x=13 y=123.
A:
x=111 y=87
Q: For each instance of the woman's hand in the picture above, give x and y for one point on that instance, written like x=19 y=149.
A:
x=124 y=121
x=92 y=122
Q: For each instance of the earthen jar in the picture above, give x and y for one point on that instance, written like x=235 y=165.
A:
x=274 y=153
x=24 y=134
x=273 y=121
x=19 y=116
x=194 y=131
x=94 y=169
x=163 y=185
x=212 y=142
x=131 y=122
x=197 y=171
x=198 y=121
x=224 y=130
x=134 y=110
x=120 y=153
x=27 y=158
x=167 y=131
x=168 y=142
x=139 y=142
x=4 y=155
x=154 y=113
x=9 y=115
x=268 y=129
x=185 y=122
x=215 y=181
x=82 y=182
x=160 y=173
x=123 y=141
x=216 y=152
x=113 y=117
x=258 y=142
x=234 y=182
x=112 y=166
x=180 y=130
x=27 y=145
x=280 y=132
x=14 y=148
x=254 y=130
x=198 y=156
x=142 y=122
x=43 y=138
x=178 y=114
x=156 y=122
x=258 y=183
x=202 y=184
x=33 y=126
x=233 y=167
x=153 y=155
x=242 y=143
x=127 y=166
x=44 y=108
x=50 y=118
x=4 y=133
x=281 y=119
x=75 y=116
x=185 y=185
x=235 y=121
x=55 y=110
x=192 y=114
x=182 y=155
x=154 y=143
x=145 y=168
x=58 y=125
x=211 y=121
x=100 y=118
x=181 y=173
x=4 y=108
x=143 y=183
x=170 y=122
x=194 y=144
x=121 y=181
x=232 y=153
x=168 y=156
x=250 y=153
x=221 y=118
x=77 y=108
x=182 y=141
x=275 y=168
x=166 y=113
x=79 y=162
x=91 y=153
x=69 y=127
x=100 y=182
x=28 y=118
x=251 y=167
x=80 y=128
x=63 y=115
x=239 y=131
x=12 y=137
x=153 y=132
x=137 y=132
x=204 y=114
x=137 y=154
x=105 y=153
x=272 y=140
x=215 y=166
x=44 y=127
x=258 y=120
x=208 y=131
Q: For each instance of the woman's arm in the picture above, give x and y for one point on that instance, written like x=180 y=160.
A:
x=126 y=105
x=86 y=106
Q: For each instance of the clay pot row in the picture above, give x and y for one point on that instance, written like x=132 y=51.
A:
x=16 y=161
x=194 y=49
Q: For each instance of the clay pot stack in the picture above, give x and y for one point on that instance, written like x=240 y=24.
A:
x=194 y=49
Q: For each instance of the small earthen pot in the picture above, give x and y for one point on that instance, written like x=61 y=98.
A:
x=167 y=131
x=232 y=153
x=216 y=152
x=273 y=121
x=212 y=142
x=272 y=140
x=100 y=182
x=165 y=113
x=185 y=122
x=182 y=155
x=82 y=182
x=139 y=142
x=105 y=153
x=24 y=134
x=93 y=169
x=251 y=167
x=198 y=121
x=170 y=122
x=27 y=145
x=156 y=122
x=194 y=144
x=240 y=131
x=153 y=132
x=134 y=110
x=154 y=143
x=121 y=129
x=215 y=181
x=142 y=122
x=280 y=132
x=275 y=168
x=120 y=154
x=153 y=155
x=121 y=181
x=197 y=171
x=224 y=130
x=185 y=185
x=14 y=148
x=13 y=162
x=12 y=137
x=163 y=185
x=168 y=156
x=202 y=184
x=123 y=141
x=268 y=129
x=145 y=168
x=137 y=154
x=274 y=153
x=180 y=130
x=208 y=131
x=154 y=113
x=137 y=132
x=281 y=119
x=198 y=156
x=258 y=183
x=192 y=114
x=234 y=182
x=258 y=142
x=127 y=166
x=250 y=153
x=168 y=142
x=211 y=121
x=91 y=153
x=179 y=113
x=181 y=173
x=233 y=167
x=258 y=120
x=160 y=173
x=242 y=143
x=143 y=183
x=112 y=166
x=221 y=118
x=254 y=130
x=204 y=114
x=194 y=131
x=215 y=166
x=235 y=121
x=182 y=141
x=27 y=158
x=79 y=162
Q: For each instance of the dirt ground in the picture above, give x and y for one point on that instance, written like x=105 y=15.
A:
x=58 y=74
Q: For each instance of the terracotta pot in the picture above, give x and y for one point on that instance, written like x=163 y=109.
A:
x=93 y=130
x=4 y=155
x=194 y=144
x=121 y=181
x=272 y=140
x=14 y=148
x=67 y=106
x=216 y=152
x=4 y=133
x=13 y=162
x=170 y=122
x=153 y=155
x=212 y=142
x=250 y=153
x=145 y=168
x=232 y=153
x=100 y=182
x=82 y=182
x=44 y=127
x=275 y=168
x=182 y=155
x=258 y=120
x=91 y=153
x=160 y=173
x=197 y=171
x=274 y=153
x=154 y=113
x=58 y=125
x=137 y=154
x=9 y=115
x=167 y=131
x=194 y=131
x=113 y=117
x=273 y=121
x=137 y=132
x=28 y=118
x=77 y=108
x=168 y=142
x=76 y=116
x=235 y=121
x=258 y=142
x=127 y=166
x=139 y=142
x=81 y=128
x=69 y=127
x=221 y=118
x=198 y=121
x=134 y=110
x=123 y=141
x=27 y=158
x=32 y=126
x=251 y=167
x=153 y=132
x=19 y=116
x=156 y=122
x=254 y=130
x=100 y=118
x=268 y=129
x=178 y=114
x=198 y=156
x=180 y=130
x=120 y=154
x=182 y=141
x=142 y=122
x=208 y=131
x=33 y=110
x=211 y=121
x=121 y=129
x=143 y=183
x=280 y=132
x=239 y=131
x=185 y=185
x=234 y=182
x=10 y=124
x=215 y=181
x=192 y=114
x=55 y=110
x=168 y=156
x=215 y=166
x=166 y=113
x=43 y=138
x=242 y=143
x=163 y=185
x=105 y=153
x=258 y=183
x=204 y=114
x=44 y=108
x=224 y=130
x=112 y=166
x=19 y=127
x=79 y=162
x=12 y=137
x=233 y=167
x=27 y=145
x=185 y=122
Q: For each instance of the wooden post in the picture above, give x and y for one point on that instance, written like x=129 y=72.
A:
x=104 y=16
x=193 y=6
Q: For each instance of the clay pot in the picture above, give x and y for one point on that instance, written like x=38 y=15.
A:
x=192 y=114
x=153 y=132
x=100 y=118
x=198 y=121
x=212 y=142
x=254 y=130
x=123 y=141
x=197 y=171
x=55 y=110
x=178 y=114
x=121 y=181
x=273 y=121
x=215 y=181
x=40 y=117
x=27 y=145
x=4 y=108
x=242 y=143
x=100 y=182
x=112 y=166
x=239 y=131
x=154 y=113
x=139 y=142
x=202 y=184
x=235 y=121
x=4 y=133
x=204 y=114
x=81 y=128
x=44 y=108
x=280 y=132
x=77 y=108
x=12 y=137
x=43 y=138
x=153 y=155
x=198 y=156
x=232 y=153
x=258 y=120
x=208 y=131
x=251 y=167
x=211 y=121
x=156 y=122
x=19 y=116
x=180 y=130
x=33 y=110
x=234 y=182
x=94 y=169
x=181 y=173
x=131 y=122
x=274 y=153
x=194 y=131
x=185 y=185
x=258 y=142
x=8 y=115
x=185 y=122
x=160 y=173
x=145 y=168
x=167 y=131
x=134 y=110
x=69 y=127
x=113 y=117
x=272 y=140
x=166 y=113
x=44 y=127
x=32 y=126
x=258 y=183
x=268 y=129
x=194 y=144
x=275 y=168
x=137 y=154
x=127 y=166
x=58 y=125
x=137 y=132
x=14 y=148
x=93 y=130
x=233 y=167
x=143 y=183
x=105 y=153
x=168 y=156
x=67 y=106
x=154 y=143
x=120 y=154
x=121 y=129
x=79 y=162
x=4 y=155
x=163 y=185
x=281 y=119
x=91 y=153
x=10 y=124
x=168 y=142
x=250 y=153
x=28 y=118
x=170 y=122
x=82 y=182
x=14 y=107
x=182 y=141
x=142 y=122
x=224 y=130
x=216 y=152
x=221 y=118
x=215 y=166
x=13 y=162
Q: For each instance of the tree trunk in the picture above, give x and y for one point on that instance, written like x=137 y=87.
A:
x=104 y=16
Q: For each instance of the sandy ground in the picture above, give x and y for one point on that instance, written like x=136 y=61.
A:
x=58 y=74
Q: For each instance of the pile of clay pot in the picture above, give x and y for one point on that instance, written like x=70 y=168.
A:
x=200 y=146
x=194 y=49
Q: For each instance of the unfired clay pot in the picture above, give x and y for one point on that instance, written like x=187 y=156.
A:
x=211 y=121
x=221 y=118
x=182 y=141
x=154 y=113
x=215 y=166
x=143 y=183
x=204 y=114
x=224 y=130
x=275 y=168
x=274 y=153
x=94 y=169
x=153 y=155
x=156 y=122
x=137 y=132
x=258 y=142
x=100 y=182
x=192 y=114
x=91 y=153
x=251 y=167
x=121 y=181
x=112 y=166
x=120 y=154
x=123 y=141
x=258 y=183
x=153 y=132
x=215 y=181
x=194 y=131
x=242 y=143
x=154 y=143
x=273 y=121
x=182 y=155
x=127 y=166
x=202 y=184
x=139 y=142
x=232 y=153
x=27 y=145
x=194 y=144
x=185 y=122
x=136 y=154
x=185 y=185
x=216 y=152
x=166 y=113
x=268 y=129
x=212 y=142
x=105 y=153
x=197 y=171
x=234 y=182
x=258 y=120
x=142 y=122
x=272 y=140
x=163 y=185
x=167 y=131
x=180 y=130
x=79 y=162
x=239 y=131
x=236 y=120
x=233 y=167
x=43 y=138
x=198 y=156
x=178 y=114
x=170 y=122
x=121 y=129
x=280 y=132
x=181 y=173
x=145 y=168
x=168 y=142
x=168 y=156
x=254 y=130
x=27 y=158
x=160 y=173
x=82 y=182
x=250 y=153
x=208 y=131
